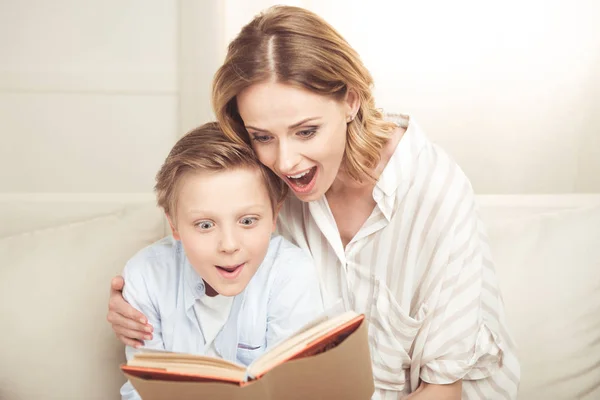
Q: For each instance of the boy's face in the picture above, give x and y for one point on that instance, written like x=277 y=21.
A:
x=224 y=221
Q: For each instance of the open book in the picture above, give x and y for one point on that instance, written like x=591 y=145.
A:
x=318 y=336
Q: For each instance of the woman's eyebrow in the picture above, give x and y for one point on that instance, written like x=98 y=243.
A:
x=256 y=129
x=297 y=124
x=293 y=126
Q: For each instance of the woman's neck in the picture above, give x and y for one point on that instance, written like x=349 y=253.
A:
x=346 y=185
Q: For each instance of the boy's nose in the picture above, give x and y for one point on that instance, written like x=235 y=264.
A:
x=228 y=243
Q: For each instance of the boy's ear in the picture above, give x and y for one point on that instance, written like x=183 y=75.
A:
x=173 y=228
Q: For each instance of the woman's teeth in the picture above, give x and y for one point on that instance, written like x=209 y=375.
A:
x=302 y=179
x=299 y=175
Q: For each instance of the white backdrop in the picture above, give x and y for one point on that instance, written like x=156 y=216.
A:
x=92 y=96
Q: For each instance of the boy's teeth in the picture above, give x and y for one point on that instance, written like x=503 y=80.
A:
x=299 y=175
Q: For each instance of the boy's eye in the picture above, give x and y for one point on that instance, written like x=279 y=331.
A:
x=261 y=138
x=248 y=221
x=205 y=224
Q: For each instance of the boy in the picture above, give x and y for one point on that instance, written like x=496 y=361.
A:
x=221 y=285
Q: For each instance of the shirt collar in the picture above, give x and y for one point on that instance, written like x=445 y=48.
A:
x=195 y=286
x=398 y=174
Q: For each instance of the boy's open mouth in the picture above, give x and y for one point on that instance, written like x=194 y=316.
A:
x=230 y=271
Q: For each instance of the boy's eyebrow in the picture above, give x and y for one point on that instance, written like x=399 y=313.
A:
x=257 y=205
x=293 y=126
x=249 y=209
x=197 y=211
x=241 y=210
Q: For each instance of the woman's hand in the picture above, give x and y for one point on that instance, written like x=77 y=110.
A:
x=131 y=326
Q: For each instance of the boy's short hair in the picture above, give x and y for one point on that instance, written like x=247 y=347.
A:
x=206 y=148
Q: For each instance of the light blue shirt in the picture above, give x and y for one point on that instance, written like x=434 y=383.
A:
x=281 y=297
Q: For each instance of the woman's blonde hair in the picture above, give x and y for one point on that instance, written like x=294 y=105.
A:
x=207 y=149
x=295 y=46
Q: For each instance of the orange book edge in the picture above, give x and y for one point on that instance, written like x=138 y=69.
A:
x=163 y=374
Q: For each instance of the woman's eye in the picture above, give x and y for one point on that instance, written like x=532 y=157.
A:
x=261 y=138
x=307 y=133
x=205 y=225
x=248 y=221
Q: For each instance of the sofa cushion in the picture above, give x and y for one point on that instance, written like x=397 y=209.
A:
x=54 y=285
x=548 y=266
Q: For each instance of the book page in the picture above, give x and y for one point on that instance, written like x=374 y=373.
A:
x=297 y=344
x=169 y=358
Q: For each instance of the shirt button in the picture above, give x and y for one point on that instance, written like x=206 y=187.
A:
x=200 y=287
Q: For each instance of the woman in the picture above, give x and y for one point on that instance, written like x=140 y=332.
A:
x=388 y=217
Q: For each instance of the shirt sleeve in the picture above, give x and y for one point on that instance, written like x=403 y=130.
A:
x=295 y=298
x=462 y=337
x=138 y=291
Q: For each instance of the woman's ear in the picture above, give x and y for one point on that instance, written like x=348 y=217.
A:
x=173 y=228
x=352 y=101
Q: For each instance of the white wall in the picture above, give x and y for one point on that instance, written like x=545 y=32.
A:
x=88 y=94
x=92 y=98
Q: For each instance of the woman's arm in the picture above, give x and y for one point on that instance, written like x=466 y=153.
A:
x=462 y=335
x=130 y=326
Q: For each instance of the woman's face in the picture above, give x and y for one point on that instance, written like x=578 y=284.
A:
x=298 y=134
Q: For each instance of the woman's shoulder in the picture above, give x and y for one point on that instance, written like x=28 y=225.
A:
x=430 y=160
x=427 y=176
x=421 y=167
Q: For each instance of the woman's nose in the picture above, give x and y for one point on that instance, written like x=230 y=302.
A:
x=287 y=158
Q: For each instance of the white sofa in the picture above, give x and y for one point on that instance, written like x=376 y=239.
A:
x=57 y=256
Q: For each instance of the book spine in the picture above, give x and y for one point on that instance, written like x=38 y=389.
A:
x=249 y=377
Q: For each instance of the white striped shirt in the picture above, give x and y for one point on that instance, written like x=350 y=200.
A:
x=420 y=270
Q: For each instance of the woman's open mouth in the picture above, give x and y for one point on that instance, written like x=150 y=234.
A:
x=303 y=182
x=230 y=272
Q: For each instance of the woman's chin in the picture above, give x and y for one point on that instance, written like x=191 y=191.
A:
x=308 y=197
